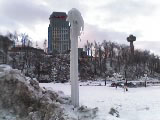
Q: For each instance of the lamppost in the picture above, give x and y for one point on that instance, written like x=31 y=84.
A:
x=77 y=25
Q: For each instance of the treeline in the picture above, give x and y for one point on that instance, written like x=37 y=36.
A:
x=104 y=59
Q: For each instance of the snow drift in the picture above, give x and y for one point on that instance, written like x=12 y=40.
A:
x=23 y=99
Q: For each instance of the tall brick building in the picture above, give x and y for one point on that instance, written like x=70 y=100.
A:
x=58 y=33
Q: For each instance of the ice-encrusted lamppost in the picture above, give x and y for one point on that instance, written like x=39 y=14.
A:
x=77 y=25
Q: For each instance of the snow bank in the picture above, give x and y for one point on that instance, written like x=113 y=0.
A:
x=21 y=98
x=115 y=104
x=26 y=99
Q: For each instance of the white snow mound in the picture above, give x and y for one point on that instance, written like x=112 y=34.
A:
x=22 y=98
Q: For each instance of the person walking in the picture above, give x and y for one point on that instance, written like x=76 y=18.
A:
x=125 y=88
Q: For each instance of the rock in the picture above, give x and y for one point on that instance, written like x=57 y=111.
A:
x=114 y=112
x=87 y=113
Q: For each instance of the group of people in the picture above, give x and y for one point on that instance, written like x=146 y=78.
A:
x=116 y=85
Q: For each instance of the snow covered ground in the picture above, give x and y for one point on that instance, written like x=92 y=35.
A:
x=136 y=104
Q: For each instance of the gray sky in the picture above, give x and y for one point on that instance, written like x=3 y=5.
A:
x=104 y=19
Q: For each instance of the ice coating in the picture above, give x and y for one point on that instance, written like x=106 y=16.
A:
x=76 y=21
x=77 y=25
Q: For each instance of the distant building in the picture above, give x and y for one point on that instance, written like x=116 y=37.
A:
x=18 y=49
x=5 y=44
x=58 y=33
x=81 y=53
x=25 y=55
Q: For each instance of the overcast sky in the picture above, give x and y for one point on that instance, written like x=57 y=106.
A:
x=110 y=20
